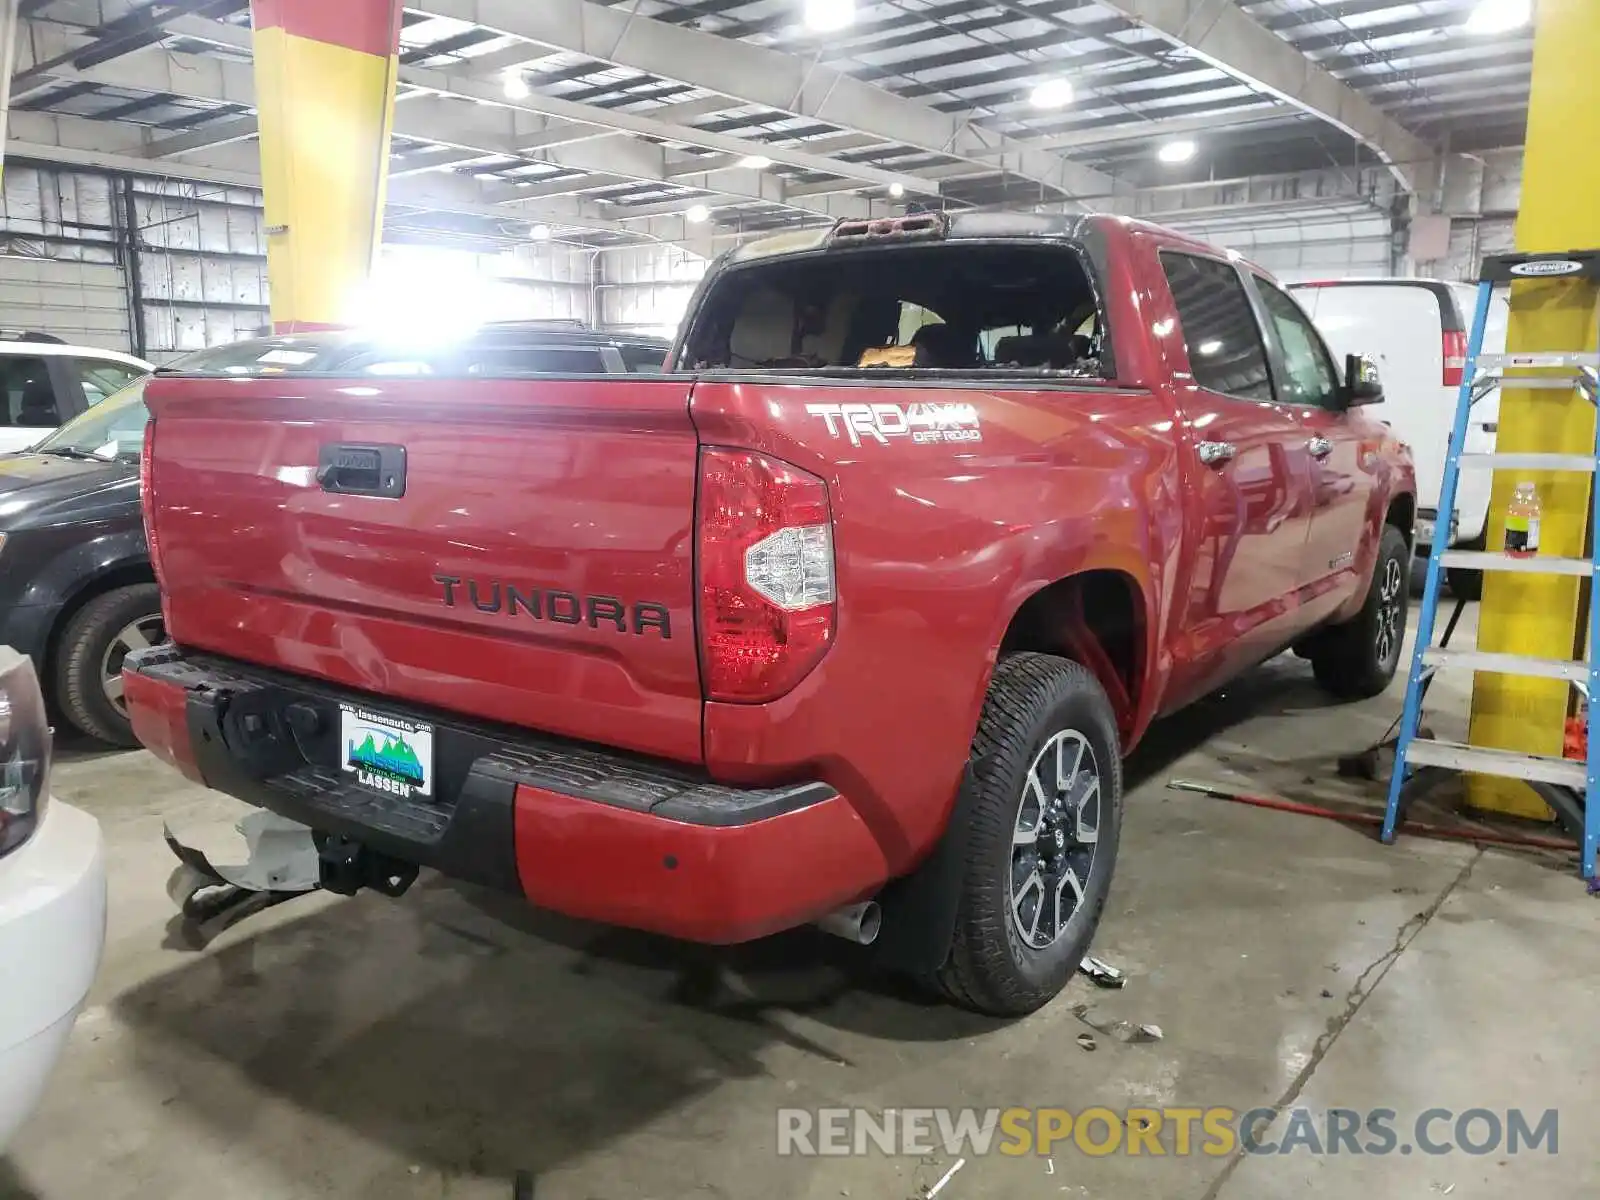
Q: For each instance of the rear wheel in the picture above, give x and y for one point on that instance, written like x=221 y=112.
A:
x=1046 y=814
x=89 y=659
x=1358 y=658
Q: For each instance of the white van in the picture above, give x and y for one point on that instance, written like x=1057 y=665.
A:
x=1416 y=331
x=44 y=383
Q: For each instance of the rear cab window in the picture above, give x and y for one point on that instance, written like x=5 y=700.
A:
x=959 y=307
x=1220 y=332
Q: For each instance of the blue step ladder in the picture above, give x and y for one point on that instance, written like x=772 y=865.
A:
x=1570 y=787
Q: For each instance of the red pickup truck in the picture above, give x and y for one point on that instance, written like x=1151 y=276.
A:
x=849 y=617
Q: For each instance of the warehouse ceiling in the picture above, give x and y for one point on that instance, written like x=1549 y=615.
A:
x=693 y=120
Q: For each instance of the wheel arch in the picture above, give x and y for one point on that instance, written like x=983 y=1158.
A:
x=1100 y=618
x=1402 y=514
x=125 y=573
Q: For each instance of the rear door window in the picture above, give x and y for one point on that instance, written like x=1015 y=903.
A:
x=101 y=376
x=1226 y=352
x=30 y=397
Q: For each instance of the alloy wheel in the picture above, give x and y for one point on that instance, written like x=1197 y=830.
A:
x=135 y=635
x=1391 y=604
x=1053 y=841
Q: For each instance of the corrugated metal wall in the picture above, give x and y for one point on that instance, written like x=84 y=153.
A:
x=1306 y=247
x=1481 y=196
x=646 y=290
x=85 y=303
x=1332 y=222
x=202 y=264
x=202 y=270
x=58 y=258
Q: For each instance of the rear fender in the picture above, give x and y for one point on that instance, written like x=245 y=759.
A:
x=1132 y=689
x=920 y=909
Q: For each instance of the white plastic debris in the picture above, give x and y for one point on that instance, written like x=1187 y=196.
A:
x=946 y=1178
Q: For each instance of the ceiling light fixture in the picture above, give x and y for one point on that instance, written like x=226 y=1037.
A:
x=1499 y=16
x=755 y=162
x=515 y=85
x=697 y=214
x=826 y=16
x=540 y=233
x=1180 y=151
x=897 y=190
x=1052 y=93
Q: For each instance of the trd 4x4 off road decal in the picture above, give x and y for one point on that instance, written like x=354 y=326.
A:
x=920 y=422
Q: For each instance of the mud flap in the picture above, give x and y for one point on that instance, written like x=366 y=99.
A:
x=919 y=909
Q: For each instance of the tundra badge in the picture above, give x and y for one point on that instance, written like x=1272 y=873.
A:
x=564 y=608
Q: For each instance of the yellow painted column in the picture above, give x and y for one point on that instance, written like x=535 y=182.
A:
x=325 y=75
x=1560 y=210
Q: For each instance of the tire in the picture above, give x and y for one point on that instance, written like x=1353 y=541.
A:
x=90 y=652
x=1357 y=659
x=1036 y=702
x=1465 y=583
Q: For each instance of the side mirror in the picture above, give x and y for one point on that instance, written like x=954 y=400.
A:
x=1361 y=382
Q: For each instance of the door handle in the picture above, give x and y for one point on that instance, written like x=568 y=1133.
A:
x=1320 y=447
x=1214 y=454
x=366 y=470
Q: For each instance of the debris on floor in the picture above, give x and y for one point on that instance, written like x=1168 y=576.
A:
x=1086 y=1041
x=1129 y=1032
x=1102 y=973
x=946 y=1178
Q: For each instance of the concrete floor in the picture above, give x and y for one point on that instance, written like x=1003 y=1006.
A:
x=432 y=1046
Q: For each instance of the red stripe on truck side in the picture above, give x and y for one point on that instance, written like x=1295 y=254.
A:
x=370 y=26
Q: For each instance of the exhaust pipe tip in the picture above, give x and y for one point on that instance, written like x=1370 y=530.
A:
x=859 y=923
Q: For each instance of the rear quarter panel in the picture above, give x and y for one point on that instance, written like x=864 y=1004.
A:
x=937 y=546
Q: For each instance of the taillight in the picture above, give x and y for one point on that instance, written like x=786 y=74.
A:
x=146 y=460
x=766 y=575
x=24 y=752
x=1455 y=357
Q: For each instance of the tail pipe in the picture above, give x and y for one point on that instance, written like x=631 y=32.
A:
x=857 y=923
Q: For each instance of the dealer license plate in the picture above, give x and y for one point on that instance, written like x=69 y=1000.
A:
x=386 y=754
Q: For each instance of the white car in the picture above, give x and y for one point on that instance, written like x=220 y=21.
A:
x=1416 y=331
x=52 y=900
x=44 y=383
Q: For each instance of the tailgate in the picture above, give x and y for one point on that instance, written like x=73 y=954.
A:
x=513 y=550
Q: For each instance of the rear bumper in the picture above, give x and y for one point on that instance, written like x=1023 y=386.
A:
x=1466 y=527
x=586 y=831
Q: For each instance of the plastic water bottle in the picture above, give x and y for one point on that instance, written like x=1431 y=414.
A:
x=1522 y=522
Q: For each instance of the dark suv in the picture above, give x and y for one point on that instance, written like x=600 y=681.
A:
x=77 y=593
